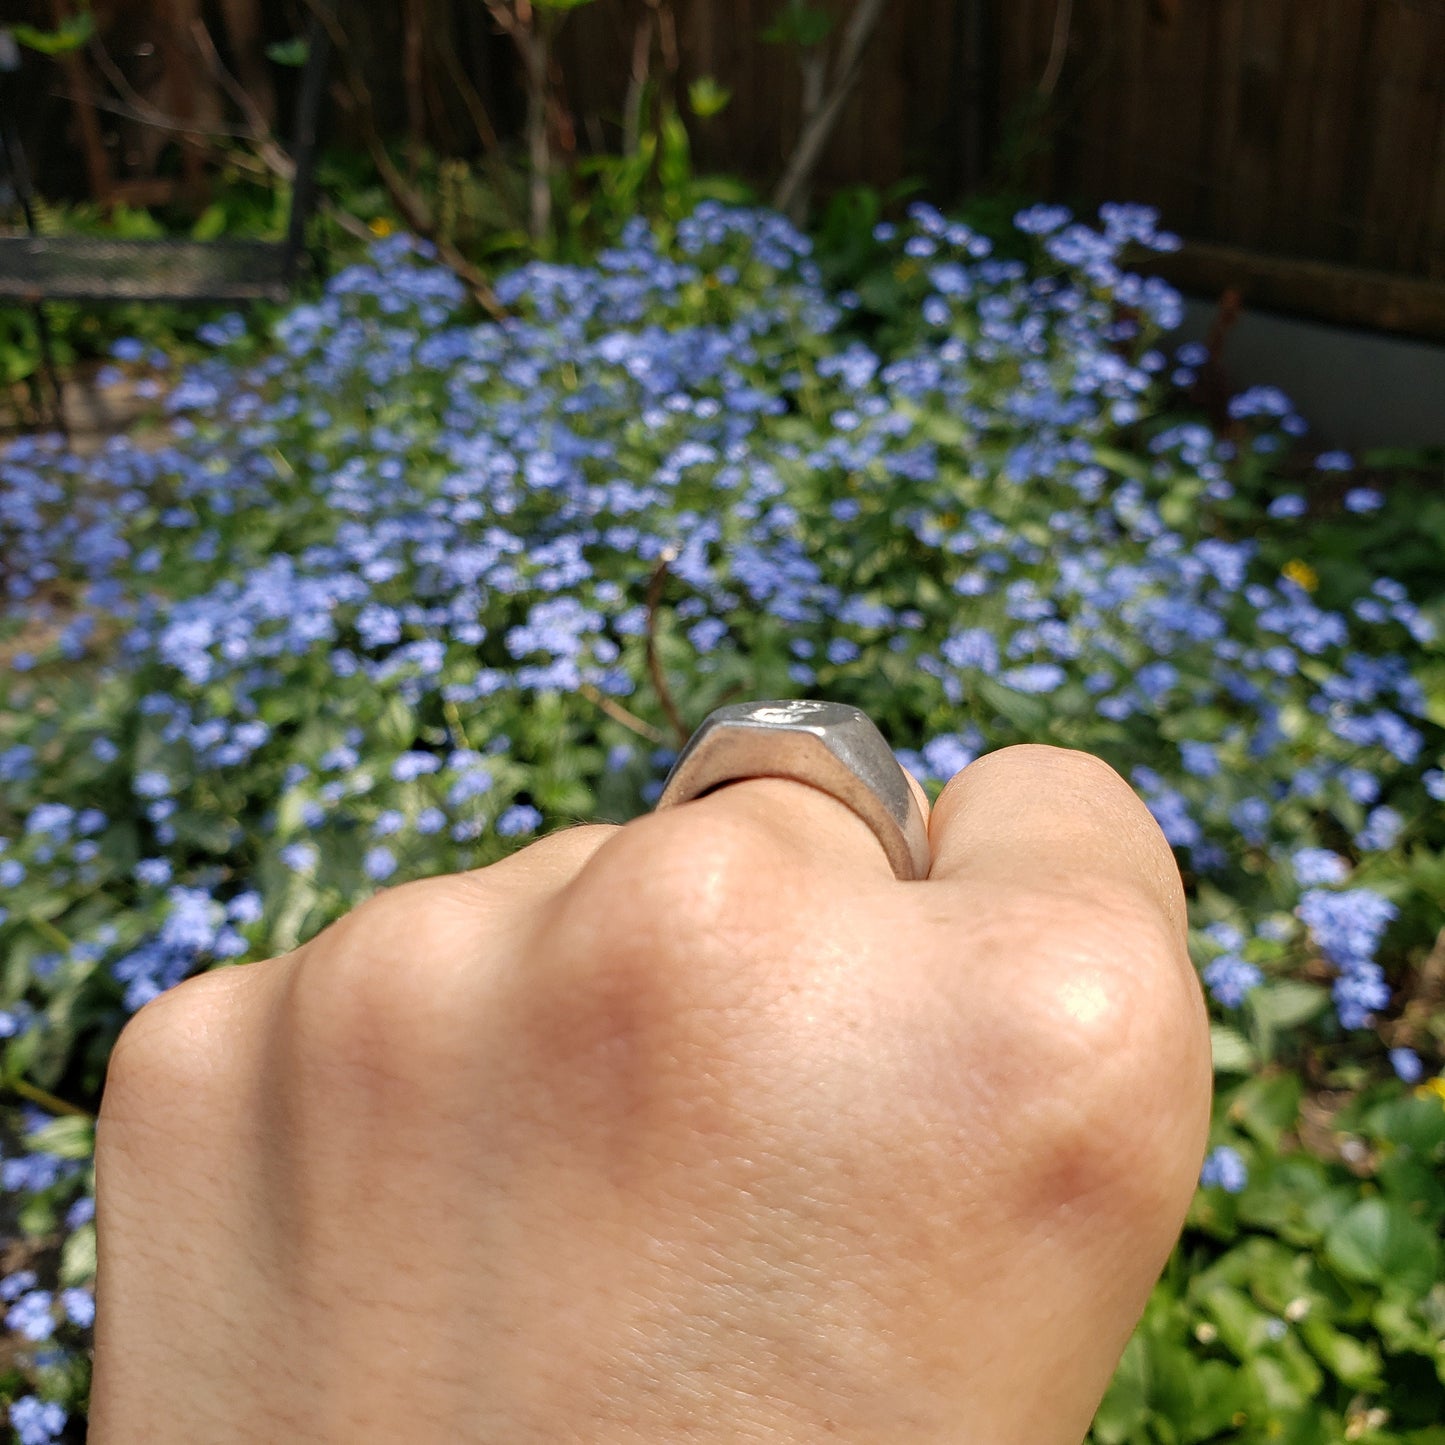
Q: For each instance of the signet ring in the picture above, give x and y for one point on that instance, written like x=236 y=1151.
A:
x=828 y=745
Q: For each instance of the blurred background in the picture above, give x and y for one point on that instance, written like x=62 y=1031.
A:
x=1297 y=146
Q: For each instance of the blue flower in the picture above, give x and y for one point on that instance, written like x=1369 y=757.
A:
x=1036 y=677
x=1363 y=499
x=948 y=754
x=974 y=647
x=1382 y=828
x=79 y=1306
x=31 y=1315
x=1313 y=866
x=410 y=766
x=1224 y=1169
x=153 y=872
x=520 y=818
x=1406 y=1064
x=36 y=1421
x=299 y=857
x=1287 y=504
x=15 y=1285
x=1347 y=926
x=380 y=864
x=1041 y=219
x=1200 y=759
x=152 y=784
x=1230 y=978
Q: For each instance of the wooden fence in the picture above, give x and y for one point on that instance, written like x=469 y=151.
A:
x=1298 y=145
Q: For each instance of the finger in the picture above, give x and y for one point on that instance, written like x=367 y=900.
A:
x=1040 y=820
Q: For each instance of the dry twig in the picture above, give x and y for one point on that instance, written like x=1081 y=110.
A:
x=792 y=193
x=654 y=662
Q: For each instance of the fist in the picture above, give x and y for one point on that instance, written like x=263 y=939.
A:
x=701 y=1129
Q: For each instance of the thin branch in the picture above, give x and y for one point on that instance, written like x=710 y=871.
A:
x=1058 y=47
x=654 y=662
x=46 y=1100
x=413 y=207
x=618 y=713
x=637 y=86
x=270 y=151
x=476 y=107
x=529 y=32
x=411 y=75
x=791 y=194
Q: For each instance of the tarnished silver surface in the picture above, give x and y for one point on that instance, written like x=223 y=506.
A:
x=828 y=744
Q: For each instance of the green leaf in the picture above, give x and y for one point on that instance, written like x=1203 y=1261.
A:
x=70 y=34
x=293 y=52
x=1242 y=1325
x=1125 y=1406
x=77 y=1258
x=1415 y=1124
x=69 y=1137
x=1266 y=1107
x=210 y=224
x=1287 y=1003
x=1349 y=1360
x=1380 y=1240
x=1231 y=1050
x=707 y=98
x=799 y=24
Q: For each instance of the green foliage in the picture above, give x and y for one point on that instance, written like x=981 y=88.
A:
x=799 y=24
x=657 y=181
x=707 y=98
x=1310 y=1306
x=70 y=33
x=292 y=53
x=1307 y=1306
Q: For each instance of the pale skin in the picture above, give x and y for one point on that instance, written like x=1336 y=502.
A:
x=700 y=1129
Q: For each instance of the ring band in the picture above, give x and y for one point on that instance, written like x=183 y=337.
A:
x=829 y=745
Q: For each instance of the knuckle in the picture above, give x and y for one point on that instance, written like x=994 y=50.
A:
x=169 y=1050
x=673 y=883
x=647 y=968
x=1105 y=1059
x=362 y=982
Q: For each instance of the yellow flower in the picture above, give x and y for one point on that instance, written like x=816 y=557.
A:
x=381 y=226
x=1302 y=574
x=1432 y=1088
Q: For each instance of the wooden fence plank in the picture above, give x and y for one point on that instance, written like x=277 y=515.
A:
x=1352 y=296
x=1299 y=82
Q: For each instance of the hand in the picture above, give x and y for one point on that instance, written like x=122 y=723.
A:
x=700 y=1129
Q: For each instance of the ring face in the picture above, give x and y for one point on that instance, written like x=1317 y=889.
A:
x=829 y=745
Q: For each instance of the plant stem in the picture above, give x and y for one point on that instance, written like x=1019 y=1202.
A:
x=654 y=662
x=47 y=1100
x=791 y=194
x=618 y=713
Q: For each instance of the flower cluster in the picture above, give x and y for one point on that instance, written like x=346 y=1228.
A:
x=392 y=597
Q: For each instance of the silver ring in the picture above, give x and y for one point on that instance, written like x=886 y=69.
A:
x=829 y=745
